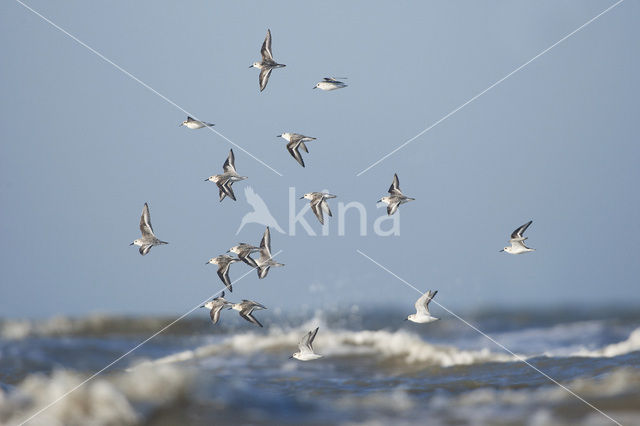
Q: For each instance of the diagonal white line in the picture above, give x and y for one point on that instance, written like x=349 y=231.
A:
x=61 y=397
x=490 y=87
x=142 y=83
x=517 y=357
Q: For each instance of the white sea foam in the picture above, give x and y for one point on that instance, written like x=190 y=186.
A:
x=105 y=400
x=401 y=346
x=631 y=344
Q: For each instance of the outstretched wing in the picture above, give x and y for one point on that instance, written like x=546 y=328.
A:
x=145 y=249
x=325 y=206
x=250 y=318
x=229 y=165
x=223 y=273
x=517 y=234
x=292 y=147
x=145 y=223
x=266 y=242
x=392 y=208
x=316 y=206
x=306 y=344
x=422 y=304
x=267 y=56
x=264 y=77
x=215 y=313
x=394 y=189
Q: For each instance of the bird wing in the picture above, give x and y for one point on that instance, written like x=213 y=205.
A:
x=392 y=207
x=292 y=147
x=250 y=318
x=264 y=77
x=246 y=258
x=145 y=222
x=229 y=164
x=223 y=273
x=215 y=313
x=222 y=192
x=145 y=249
x=394 y=189
x=519 y=231
x=422 y=304
x=306 y=344
x=518 y=243
x=325 y=206
x=226 y=188
x=265 y=51
x=263 y=271
x=304 y=147
x=316 y=206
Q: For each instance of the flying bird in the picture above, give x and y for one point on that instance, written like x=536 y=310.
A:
x=305 y=347
x=395 y=198
x=330 y=83
x=295 y=142
x=195 y=124
x=265 y=261
x=223 y=261
x=319 y=204
x=244 y=250
x=246 y=307
x=267 y=64
x=148 y=239
x=227 y=178
x=422 y=314
x=215 y=306
x=517 y=241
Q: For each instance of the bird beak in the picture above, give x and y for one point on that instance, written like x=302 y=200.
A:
x=301 y=197
x=131 y=244
x=278 y=136
x=250 y=66
x=500 y=250
x=406 y=319
x=315 y=87
x=228 y=251
x=291 y=357
x=202 y=306
x=206 y=263
x=379 y=201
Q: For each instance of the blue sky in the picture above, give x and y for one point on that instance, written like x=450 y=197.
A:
x=84 y=147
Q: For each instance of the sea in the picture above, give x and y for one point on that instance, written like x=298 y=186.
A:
x=566 y=367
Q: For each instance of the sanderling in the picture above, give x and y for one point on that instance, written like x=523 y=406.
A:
x=517 y=241
x=148 y=239
x=243 y=250
x=195 y=124
x=330 y=83
x=296 y=141
x=223 y=261
x=267 y=63
x=245 y=308
x=265 y=261
x=319 y=204
x=227 y=178
x=305 y=347
x=395 y=198
x=422 y=314
x=216 y=306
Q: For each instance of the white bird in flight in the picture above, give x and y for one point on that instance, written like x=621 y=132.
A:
x=517 y=241
x=195 y=124
x=223 y=261
x=268 y=63
x=295 y=142
x=245 y=308
x=319 y=204
x=395 y=198
x=422 y=314
x=215 y=306
x=148 y=239
x=305 y=347
x=330 y=83
x=227 y=178
x=265 y=261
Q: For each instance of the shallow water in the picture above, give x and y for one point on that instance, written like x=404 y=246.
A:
x=372 y=372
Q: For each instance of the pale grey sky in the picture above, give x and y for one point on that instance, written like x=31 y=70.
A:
x=84 y=147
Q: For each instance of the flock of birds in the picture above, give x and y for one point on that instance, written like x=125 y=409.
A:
x=319 y=206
